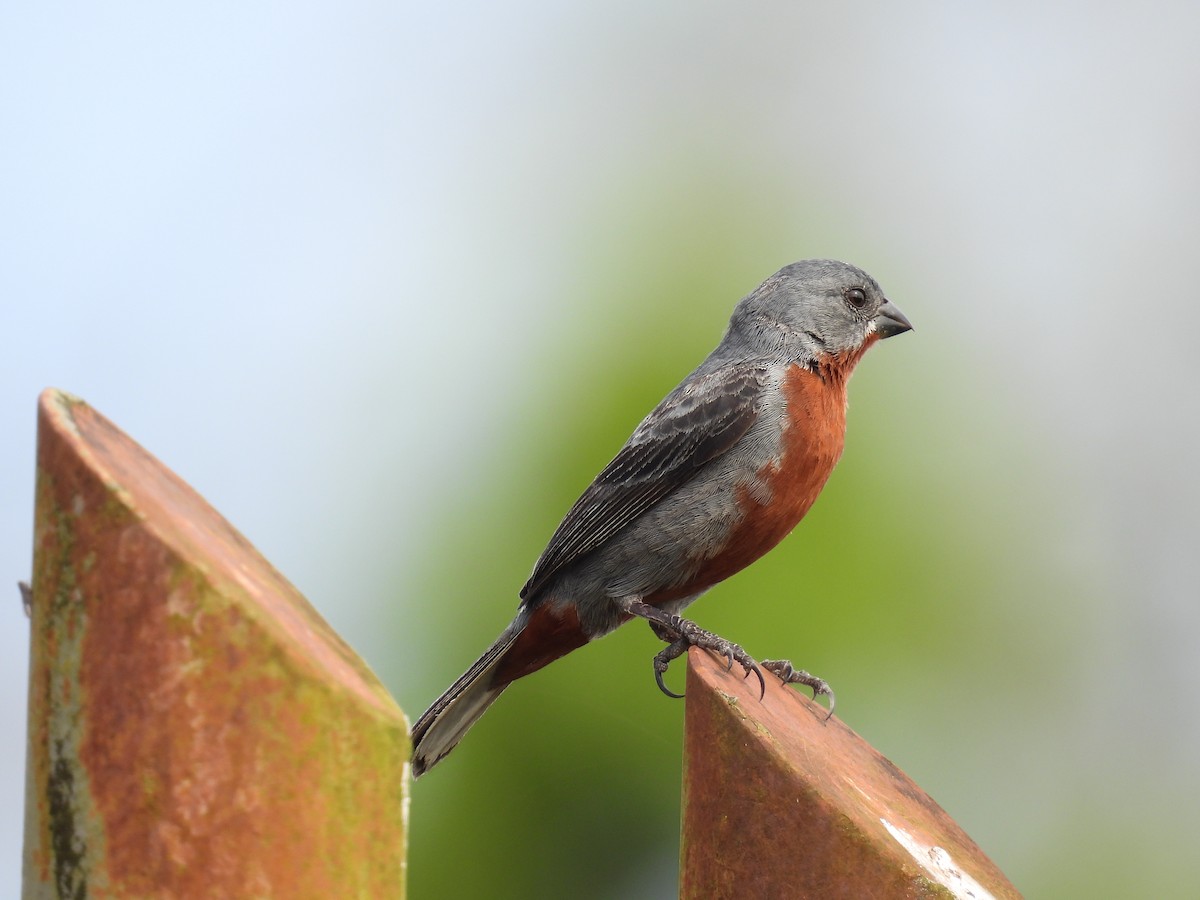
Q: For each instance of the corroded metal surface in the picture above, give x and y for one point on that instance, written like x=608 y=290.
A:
x=195 y=728
x=778 y=802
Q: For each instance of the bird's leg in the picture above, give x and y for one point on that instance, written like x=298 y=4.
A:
x=789 y=674
x=682 y=633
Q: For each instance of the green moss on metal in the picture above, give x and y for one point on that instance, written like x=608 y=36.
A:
x=231 y=710
x=68 y=849
x=60 y=623
x=928 y=888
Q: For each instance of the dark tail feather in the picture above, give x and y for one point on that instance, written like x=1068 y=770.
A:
x=443 y=725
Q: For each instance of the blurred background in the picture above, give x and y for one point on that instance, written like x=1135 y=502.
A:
x=389 y=282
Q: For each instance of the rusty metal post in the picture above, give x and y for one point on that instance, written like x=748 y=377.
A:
x=196 y=729
x=779 y=802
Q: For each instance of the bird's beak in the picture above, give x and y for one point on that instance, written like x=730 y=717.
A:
x=890 y=322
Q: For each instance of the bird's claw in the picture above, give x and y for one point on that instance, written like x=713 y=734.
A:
x=688 y=634
x=789 y=674
x=659 y=671
x=663 y=659
x=762 y=684
x=681 y=633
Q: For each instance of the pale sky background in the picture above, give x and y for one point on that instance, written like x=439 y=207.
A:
x=281 y=243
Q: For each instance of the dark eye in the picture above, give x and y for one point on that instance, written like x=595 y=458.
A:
x=856 y=297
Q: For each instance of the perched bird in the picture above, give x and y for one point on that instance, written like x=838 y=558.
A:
x=714 y=477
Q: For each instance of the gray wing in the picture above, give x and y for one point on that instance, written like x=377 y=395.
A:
x=696 y=423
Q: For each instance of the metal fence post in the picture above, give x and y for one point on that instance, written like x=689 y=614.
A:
x=196 y=729
x=780 y=803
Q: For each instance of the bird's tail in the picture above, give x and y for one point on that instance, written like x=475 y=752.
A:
x=443 y=725
x=540 y=634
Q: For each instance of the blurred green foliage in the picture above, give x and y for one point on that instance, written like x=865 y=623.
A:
x=570 y=784
x=907 y=586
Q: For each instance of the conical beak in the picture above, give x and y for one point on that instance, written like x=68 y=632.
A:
x=890 y=322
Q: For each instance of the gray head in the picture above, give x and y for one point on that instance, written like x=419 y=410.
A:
x=816 y=310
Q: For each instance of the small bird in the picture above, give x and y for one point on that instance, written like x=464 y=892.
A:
x=714 y=477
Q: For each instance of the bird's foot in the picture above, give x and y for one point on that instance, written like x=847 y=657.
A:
x=681 y=634
x=789 y=674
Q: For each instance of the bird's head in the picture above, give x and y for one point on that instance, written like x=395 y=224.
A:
x=817 y=311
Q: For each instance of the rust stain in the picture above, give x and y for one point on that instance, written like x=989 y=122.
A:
x=196 y=729
x=184 y=521
x=778 y=802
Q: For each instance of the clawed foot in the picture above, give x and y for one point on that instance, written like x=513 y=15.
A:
x=692 y=635
x=789 y=674
x=682 y=633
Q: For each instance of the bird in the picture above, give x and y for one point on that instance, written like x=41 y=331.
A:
x=717 y=474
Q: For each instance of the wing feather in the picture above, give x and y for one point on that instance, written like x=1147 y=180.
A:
x=696 y=423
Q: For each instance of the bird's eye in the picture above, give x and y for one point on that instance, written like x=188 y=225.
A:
x=856 y=297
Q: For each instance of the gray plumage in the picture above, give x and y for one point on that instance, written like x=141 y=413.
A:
x=673 y=495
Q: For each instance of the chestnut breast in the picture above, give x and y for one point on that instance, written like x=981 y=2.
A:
x=814 y=431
